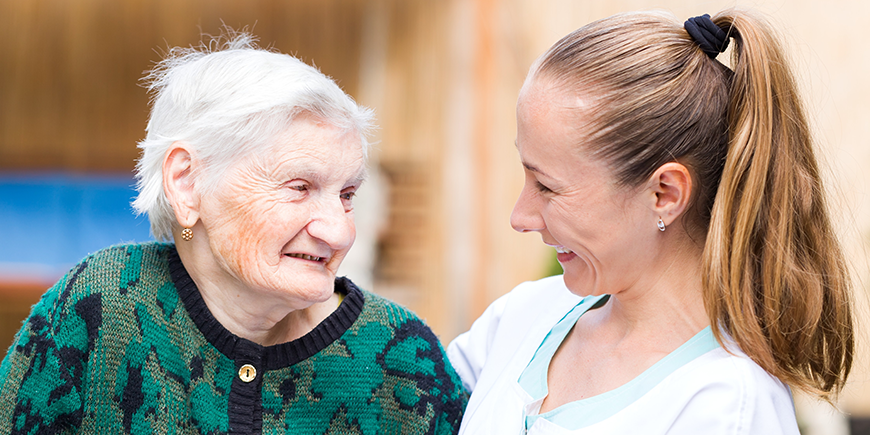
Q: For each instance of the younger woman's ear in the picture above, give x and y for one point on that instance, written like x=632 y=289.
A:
x=178 y=183
x=671 y=185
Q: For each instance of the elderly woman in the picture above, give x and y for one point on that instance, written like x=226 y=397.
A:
x=250 y=164
x=701 y=279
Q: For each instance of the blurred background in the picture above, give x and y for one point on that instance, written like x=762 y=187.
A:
x=443 y=77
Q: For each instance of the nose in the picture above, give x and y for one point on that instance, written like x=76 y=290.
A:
x=526 y=216
x=332 y=224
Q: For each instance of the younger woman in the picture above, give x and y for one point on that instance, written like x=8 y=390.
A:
x=702 y=277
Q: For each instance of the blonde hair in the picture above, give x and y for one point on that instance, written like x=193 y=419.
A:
x=774 y=276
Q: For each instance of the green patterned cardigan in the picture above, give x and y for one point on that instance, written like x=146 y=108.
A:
x=124 y=343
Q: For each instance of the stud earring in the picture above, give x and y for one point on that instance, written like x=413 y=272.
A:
x=187 y=234
x=660 y=224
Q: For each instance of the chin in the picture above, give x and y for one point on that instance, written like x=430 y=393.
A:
x=307 y=287
x=314 y=289
x=579 y=286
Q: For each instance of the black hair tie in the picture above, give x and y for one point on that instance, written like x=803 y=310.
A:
x=707 y=35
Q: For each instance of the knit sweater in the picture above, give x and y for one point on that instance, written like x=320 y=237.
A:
x=124 y=343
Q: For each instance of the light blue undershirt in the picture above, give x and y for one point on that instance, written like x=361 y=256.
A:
x=585 y=412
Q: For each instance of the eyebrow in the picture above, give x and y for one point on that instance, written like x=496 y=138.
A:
x=535 y=169
x=360 y=176
x=531 y=167
x=356 y=179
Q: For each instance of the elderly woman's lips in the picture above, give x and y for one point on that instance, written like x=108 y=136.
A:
x=306 y=257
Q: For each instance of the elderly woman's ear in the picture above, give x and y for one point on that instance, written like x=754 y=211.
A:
x=179 y=185
x=671 y=186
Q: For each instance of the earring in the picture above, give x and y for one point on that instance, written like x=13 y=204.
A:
x=187 y=234
x=660 y=224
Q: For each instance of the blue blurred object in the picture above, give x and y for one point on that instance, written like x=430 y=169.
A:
x=50 y=221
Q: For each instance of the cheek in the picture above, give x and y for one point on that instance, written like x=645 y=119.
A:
x=584 y=225
x=567 y=218
x=240 y=235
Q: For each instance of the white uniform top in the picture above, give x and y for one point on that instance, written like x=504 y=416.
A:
x=714 y=393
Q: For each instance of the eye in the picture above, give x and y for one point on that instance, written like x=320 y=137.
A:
x=541 y=188
x=298 y=189
x=347 y=199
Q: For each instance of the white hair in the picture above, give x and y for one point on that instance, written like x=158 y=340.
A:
x=226 y=99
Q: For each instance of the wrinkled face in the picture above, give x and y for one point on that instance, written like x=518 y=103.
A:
x=601 y=230
x=282 y=220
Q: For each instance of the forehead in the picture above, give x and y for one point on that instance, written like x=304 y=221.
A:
x=548 y=118
x=553 y=129
x=316 y=147
x=543 y=97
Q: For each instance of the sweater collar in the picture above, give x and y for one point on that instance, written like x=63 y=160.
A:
x=270 y=357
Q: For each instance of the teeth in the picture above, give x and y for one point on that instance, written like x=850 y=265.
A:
x=563 y=250
x=306 y=257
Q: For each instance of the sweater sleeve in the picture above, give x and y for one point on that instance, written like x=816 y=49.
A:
x=41 y=375
x=438 y=398
x=455 y=398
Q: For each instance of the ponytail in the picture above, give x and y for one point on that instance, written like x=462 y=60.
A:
x=775 y=277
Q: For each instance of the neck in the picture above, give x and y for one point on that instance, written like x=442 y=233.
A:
x=264 y=318
x=262 y=322
x=667 y=307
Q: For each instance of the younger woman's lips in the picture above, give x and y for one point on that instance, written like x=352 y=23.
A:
x=565 y=257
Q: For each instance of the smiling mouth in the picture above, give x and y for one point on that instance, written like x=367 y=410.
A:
x=563 y=250
x=306 y=257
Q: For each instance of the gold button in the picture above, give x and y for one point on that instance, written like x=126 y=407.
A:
x=247 y=373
